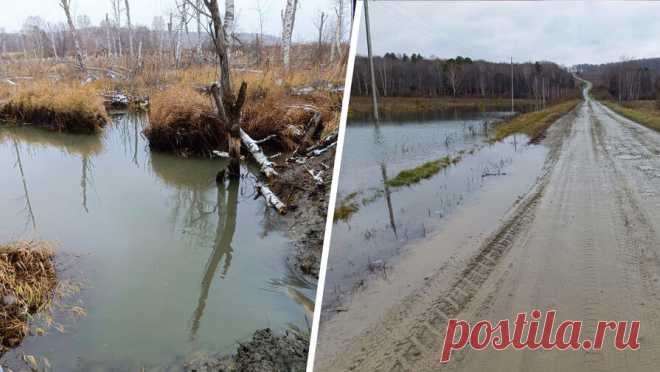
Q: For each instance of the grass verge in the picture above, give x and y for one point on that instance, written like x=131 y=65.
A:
x=27 y=286
x=642 y=112
x=533 y=124
x=63 y=108
x=424 y=171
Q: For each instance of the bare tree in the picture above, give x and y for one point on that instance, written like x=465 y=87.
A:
x=52 y=30
x=228 y=105
x=116 y=9
x=288 y=20
x=229 y=24
x=130 y=29
x=339 y=30
x=319 y=26
x=66 y=6
x=259 y=39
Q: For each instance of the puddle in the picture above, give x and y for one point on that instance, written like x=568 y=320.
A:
x=171 y=263
x=363 y=244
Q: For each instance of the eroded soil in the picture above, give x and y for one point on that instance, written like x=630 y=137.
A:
x=584 y=241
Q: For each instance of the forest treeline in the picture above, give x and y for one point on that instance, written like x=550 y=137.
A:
x=625 y=80
x=417 y=76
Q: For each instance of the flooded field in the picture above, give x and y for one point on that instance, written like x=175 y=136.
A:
x=390 y=217
x=170 y=264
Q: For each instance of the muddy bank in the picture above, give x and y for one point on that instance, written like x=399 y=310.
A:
x=265 y=352
x=307 y=198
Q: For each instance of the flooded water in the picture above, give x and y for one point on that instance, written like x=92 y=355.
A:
x=389 y=218
x=170 y=263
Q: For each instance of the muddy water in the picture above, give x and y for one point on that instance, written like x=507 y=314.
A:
x=368 y=241
x=171 y=264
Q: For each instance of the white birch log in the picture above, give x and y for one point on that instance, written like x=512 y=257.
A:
x=271 y=199
x=258 y=155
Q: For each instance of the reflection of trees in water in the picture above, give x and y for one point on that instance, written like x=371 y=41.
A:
x=226 y=207
x=85 y=179
x=130 y=128
x=28 y=204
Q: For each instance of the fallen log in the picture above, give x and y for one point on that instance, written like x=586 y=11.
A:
x=324 y=142
x=271 y=199
x=265 y=139
x=321 y=151
x=258 y=155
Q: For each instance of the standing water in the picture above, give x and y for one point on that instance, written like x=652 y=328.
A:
x=170 y=264
x=388 y=218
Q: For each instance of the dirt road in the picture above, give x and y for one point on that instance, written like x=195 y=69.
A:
x=584 y=241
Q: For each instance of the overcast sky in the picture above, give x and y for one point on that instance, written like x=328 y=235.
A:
x=143 y=11
x=564 y=32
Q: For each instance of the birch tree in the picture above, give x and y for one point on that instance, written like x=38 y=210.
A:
x=339 y=31
x=229 y=24
x=66 y=6
x=288 y=20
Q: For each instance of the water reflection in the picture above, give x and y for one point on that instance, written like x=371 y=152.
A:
x=226 y=207
x=28 y=204
x=160 y=243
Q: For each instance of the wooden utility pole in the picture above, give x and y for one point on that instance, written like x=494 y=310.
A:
x=374 y=93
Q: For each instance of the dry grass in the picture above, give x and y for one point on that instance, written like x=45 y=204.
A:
x=534 y=124
x=646 y=113
x=183 y=121
x=60 y=107
x=27 y=285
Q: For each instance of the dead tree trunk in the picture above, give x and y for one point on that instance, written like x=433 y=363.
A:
x=227 y=104
x=336 y=46
x=130 y=30
x=66 y=6
x=108 y=40
x=287 y=31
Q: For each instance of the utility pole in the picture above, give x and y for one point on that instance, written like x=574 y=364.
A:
x=512 y=85
x=371 y=60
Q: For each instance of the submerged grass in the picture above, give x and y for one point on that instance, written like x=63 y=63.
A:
x=61 y=107
x=347 y=207
x=424 y=171
x=646 y=113
x=533 y=124
x=27 y=286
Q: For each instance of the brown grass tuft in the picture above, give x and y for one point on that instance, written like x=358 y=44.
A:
x=183 y=121
x=27 y=286
x=64 y=108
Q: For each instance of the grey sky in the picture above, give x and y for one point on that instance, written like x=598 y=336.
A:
x=564 y=32
x=143 y=12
